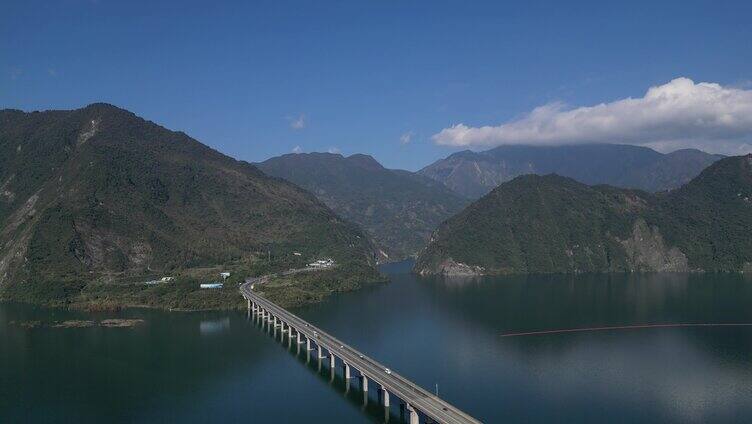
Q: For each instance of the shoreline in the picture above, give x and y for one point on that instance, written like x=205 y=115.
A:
x=291 y=287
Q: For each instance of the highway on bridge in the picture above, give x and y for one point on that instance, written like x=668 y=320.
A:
x=415 y=397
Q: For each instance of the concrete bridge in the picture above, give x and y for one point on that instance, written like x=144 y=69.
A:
x=417 y=403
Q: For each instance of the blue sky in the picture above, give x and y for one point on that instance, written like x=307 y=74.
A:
x=257 y=79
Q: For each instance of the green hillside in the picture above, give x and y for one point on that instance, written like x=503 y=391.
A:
x=552 y=224
x=398 y=209
x=98 y=194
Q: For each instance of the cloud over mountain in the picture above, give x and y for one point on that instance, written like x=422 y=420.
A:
x=678 y=114
x=297 y=123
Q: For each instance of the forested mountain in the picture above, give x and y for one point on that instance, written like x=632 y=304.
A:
x=99 y=191
x=399 y=209
x=473 y=174
x=553 y=224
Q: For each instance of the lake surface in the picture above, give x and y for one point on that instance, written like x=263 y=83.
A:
x=444 y=334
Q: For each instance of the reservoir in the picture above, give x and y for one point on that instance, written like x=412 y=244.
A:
x=585 y=348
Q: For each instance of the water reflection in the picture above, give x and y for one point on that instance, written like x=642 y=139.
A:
x=356 y=398
x=214 y=326
x=650 y=375
x=432 y=330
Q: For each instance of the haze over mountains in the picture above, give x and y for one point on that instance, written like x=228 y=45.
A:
x=399 y=209
x=554 y=224
x=473 y=174
x=99 y=191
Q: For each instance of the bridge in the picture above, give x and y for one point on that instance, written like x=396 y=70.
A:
x=418 y=403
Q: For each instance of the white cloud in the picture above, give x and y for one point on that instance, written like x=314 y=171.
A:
x=52 y=72
x=678 y=114
x=334 y=150
x=406 y=137
x=297 y=149
x=297 y=123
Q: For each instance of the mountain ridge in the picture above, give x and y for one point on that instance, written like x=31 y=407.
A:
x=474 y=174
x=398 y=209
x=98 y=192
x=554 y=224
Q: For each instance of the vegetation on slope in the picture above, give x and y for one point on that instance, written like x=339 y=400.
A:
x=398 y=209
x=710 y=218
x=536 y=224
x=98 y=195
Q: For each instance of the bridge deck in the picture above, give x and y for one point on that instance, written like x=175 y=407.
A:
x=427 y=403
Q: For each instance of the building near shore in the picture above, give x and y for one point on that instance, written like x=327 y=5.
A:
x=322 y=263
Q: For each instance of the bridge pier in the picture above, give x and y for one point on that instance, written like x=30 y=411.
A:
x=346 y=370
x=325 y=343
x=384 y=395
x=414 y=419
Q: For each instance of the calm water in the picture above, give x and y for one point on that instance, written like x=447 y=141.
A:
x=219 y=367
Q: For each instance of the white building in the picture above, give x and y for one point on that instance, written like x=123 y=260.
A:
x=322 y=263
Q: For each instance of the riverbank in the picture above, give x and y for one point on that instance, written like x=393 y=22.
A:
x=78 y=323
x=303 y=287
x=183 y=293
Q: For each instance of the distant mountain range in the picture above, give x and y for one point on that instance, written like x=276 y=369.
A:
x=99 y=191
x=101 y=194
x=554 y=224
x=399 y=209
x=474 y=174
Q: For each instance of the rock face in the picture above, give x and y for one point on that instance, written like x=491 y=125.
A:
x=552 y=224
x=451 y=268
x=474 y=174
x=647 y=252
x=398 y=209
x=99 y=191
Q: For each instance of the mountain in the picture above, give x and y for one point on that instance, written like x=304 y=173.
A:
x=554 y=224
x=473 y=174
x=99 y=191
x=399 y=209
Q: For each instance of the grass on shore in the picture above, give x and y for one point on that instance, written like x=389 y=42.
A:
x=183 y=292
x=312 y=287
